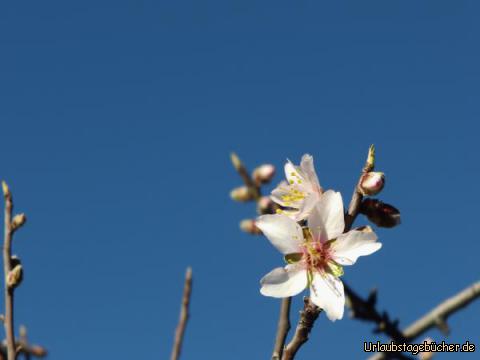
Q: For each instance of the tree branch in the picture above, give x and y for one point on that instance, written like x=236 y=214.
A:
x=308 y=316
x=440 y=313
x=245 y=175
x=366 y=310
x=357 y=197
x=438 y=316
x=7 y=268
x=282 y=329
x=184 y=314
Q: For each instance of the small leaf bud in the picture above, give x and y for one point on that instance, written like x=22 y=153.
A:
x=6 y=190
x=18 y=221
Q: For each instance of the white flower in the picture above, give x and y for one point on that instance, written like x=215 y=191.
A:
x=301 y=191
x=315 y=254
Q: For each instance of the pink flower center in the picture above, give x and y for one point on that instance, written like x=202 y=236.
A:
x=316 y=255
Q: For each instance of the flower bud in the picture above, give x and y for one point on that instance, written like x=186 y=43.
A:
x=372 y=183
x=18 y=221
x=263 y=174
x=266 y=206
x=241 y=193
x=381 y=214
x=248 y=225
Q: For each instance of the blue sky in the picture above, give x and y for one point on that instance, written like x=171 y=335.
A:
x=117 y=120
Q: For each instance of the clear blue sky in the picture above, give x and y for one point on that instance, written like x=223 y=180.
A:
x=117 y=119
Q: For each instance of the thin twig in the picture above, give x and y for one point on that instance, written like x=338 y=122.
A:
x=184 y=314
x=357 y=197
x=365 y=309
x=308 y=316
x=7 y=267
x=245 y=175
x=26 y=349
x=438 y=316
x=282 y=329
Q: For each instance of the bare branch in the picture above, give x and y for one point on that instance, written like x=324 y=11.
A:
x=7 y=268
x=245 y=175
x=308 y=316
x=184 y=314
x=438 y=315
x=282 y=329
x=366 y=310
x=356 y=201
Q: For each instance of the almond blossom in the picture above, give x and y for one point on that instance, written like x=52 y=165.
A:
x=315 y=254
x=301 y=190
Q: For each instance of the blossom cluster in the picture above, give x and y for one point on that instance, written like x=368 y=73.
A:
x=309 y=231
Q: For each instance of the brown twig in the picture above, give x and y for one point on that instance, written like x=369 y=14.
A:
x=438 y=316
x=7 y=268
x=365 y=309
x=357 y=197
x=308 y=316
x=184 y=314
x=245 y=175
x=282 y=329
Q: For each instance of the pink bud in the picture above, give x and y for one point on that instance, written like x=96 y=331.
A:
x=241 y=193
x=248 y=225
x=264 y=173
x=372 y=183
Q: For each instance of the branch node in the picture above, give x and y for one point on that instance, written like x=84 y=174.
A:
x=442 y=325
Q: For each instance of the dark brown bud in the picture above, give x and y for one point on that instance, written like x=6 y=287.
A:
x=381 y=214
x=266 y=206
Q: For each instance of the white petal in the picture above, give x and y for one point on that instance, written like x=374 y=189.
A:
x=284 y=233
x=284 y=282
x=326 y=291
x=309 y=170
x=307 y=206
x=288 y=195
x=294 y=174
x=326 y=218
x=348 y=247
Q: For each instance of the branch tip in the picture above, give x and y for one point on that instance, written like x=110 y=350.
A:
x=237 y=163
